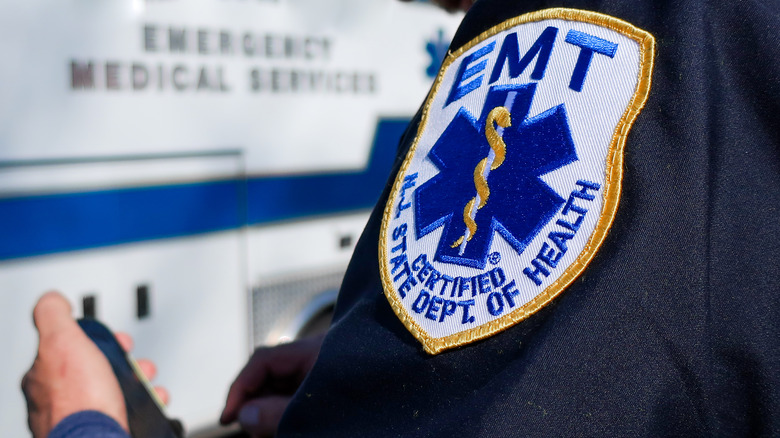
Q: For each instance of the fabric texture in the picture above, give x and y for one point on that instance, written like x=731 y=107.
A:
x=673 y=328
x=88 y=423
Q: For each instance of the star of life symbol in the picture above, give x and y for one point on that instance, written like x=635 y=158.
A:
x=513 y=179
x=489 y=170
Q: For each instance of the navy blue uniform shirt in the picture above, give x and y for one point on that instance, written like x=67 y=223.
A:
x=673 y=328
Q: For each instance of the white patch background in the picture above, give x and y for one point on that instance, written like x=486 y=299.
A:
x=593 y=115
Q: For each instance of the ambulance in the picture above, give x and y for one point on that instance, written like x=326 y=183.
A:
x=196 y=173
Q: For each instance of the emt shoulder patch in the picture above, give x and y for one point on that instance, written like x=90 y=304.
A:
x=514 y=177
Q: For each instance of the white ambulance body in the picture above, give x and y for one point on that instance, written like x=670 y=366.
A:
x=195 y=173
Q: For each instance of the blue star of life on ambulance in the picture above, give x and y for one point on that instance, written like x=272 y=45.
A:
x=437 y=51
x=519 y=203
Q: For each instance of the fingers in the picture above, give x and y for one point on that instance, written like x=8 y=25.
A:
x=239 y=392
x=163 y=394
x=147 y=367
x=149 y=370
x=52 y=314
x=248 y=383
x=266 y=369
x=260 y=417
x=125 y=340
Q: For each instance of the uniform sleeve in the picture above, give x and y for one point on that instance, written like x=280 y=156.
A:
x=88 y=424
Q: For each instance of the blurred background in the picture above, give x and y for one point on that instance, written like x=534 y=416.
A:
x=196 y=173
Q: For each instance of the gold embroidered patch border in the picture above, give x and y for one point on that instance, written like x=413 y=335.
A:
x=613 y=179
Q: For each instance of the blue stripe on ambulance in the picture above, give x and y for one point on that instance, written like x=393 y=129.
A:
x=47 y=224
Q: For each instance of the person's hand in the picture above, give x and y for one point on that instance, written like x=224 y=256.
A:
x=148 y=368
x=70 y=374
x=263 y=389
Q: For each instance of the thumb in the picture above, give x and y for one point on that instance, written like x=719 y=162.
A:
x=52 y=314
x=260 y=417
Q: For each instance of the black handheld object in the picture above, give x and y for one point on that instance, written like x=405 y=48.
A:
x=144 y=412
